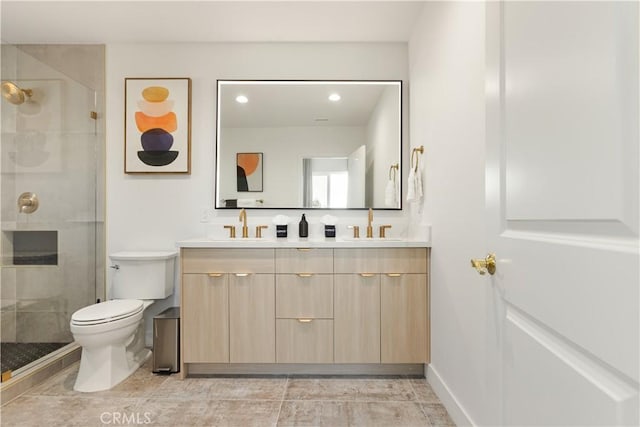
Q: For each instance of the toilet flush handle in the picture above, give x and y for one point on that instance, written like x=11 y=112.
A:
x=115 y=267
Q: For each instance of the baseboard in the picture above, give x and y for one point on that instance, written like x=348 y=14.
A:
x=448 y=399
x=198 y=369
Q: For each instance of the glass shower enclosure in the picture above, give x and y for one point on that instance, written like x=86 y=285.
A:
x=51 y=197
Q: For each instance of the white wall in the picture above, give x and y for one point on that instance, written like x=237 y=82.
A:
x=155 y=211
x=283 y=149
x=447 y=69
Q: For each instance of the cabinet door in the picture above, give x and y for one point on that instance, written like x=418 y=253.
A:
x=205 y=318
x=252 y=317
x=404 y=318
x=357 y=318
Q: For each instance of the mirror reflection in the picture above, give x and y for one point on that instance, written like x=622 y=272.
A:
x=308 y=144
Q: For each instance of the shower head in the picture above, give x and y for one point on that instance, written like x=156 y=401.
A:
x=12 y=93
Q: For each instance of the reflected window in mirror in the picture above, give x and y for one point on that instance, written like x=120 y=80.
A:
x=326 y=144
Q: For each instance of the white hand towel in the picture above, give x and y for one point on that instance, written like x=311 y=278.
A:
x=247 y=203
x=411 y=187
x=281 y=220
x=329 y=220
x=390 y=199
x=419 y=192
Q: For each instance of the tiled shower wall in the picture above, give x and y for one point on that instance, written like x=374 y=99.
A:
x=54 y=148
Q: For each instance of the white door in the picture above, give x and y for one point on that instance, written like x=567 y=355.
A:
x=357 y=168
x=562 y=197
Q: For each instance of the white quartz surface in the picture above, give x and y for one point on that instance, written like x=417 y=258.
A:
x=253 y=242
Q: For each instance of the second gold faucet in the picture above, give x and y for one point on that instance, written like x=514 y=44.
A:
x=243 y=218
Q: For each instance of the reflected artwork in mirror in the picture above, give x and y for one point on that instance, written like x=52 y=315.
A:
x=330 y=144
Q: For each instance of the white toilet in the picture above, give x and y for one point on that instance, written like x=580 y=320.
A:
x=111 y=333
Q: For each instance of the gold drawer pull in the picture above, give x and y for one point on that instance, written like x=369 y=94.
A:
x=305 y=320
x=304 y=249
x=367 y=274
x=304 y=274
x=215 y=274
x=394 y=274
x=242 y=274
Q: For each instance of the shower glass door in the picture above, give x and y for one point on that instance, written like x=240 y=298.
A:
x=51 y=197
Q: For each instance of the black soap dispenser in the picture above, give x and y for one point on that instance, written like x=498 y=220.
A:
x=303 y=227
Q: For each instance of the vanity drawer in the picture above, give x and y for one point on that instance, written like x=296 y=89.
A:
x=380 y=260
x=304 y=295
x=304 y=341
x=208 y=260
x=304 y=260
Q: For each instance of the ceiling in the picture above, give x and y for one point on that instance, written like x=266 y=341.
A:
x=36 y=22
x=296 y=103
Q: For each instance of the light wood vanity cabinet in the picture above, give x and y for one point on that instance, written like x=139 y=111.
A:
x=305 y=306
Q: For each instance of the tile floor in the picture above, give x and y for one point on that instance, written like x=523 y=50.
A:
x=148 y=399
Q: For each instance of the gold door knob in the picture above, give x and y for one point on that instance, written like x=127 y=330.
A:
x=488 y=264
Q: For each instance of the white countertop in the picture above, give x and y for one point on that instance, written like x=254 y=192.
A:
x=303 y=243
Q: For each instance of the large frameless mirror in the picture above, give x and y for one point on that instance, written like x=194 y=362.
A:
x=309 y=144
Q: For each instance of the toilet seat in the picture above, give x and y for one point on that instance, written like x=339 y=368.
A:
x=107 y=312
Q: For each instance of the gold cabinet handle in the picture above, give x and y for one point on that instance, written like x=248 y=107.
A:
x=367 y=274
x=305 y=320
x=304 y=249
x=304 y=274
x=483 y=266
x=242 y=274
x=394 y=274
x=215 y=274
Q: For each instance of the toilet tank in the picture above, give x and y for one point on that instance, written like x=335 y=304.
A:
x=143 y=275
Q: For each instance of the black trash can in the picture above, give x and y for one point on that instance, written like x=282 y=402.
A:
x=166 y=341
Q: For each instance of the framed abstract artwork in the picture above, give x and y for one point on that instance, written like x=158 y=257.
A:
x=249 y=171
x=157 y=125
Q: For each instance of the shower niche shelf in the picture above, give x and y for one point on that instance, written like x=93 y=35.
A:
x=32 y=247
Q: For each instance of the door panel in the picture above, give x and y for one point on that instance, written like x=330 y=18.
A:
x=562 y=150
x=252 y=313
x=357 y=318
x=205 y=327
x=404 y=318
x=568 y=89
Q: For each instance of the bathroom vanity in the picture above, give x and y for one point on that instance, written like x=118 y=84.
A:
x=342 y=307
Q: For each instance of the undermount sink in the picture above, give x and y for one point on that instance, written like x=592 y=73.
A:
x=242 y=239
x=371 y=239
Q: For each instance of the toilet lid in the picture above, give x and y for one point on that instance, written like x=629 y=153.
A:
x=107 y=311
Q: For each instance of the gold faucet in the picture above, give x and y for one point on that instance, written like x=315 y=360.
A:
x=369 y=227
x=243 y=218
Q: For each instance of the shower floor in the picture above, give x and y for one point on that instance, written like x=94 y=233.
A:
x=14 y=355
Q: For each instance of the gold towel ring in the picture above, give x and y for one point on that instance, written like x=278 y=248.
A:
x=414 y=154
x=392 y=169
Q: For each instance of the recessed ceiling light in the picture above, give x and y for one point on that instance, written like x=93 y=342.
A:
x=334 y=97
x=242 y=99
